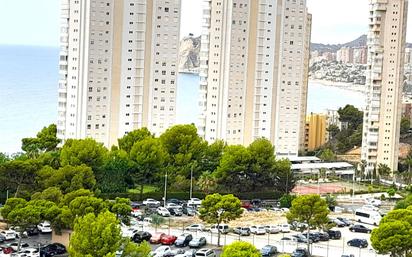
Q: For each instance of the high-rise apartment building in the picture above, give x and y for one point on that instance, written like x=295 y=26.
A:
x=254 y=67
x=386 y=45
x=315 y=134
x=118 y=67
x=360 y=55
x=345 y=55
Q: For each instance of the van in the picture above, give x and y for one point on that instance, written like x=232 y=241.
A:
x=223 y=228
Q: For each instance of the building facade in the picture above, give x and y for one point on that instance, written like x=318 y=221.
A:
x=386 y=46
x=316 y=134
x=360 y=55
x=253 y=76
x=345 y=55
x=118 y=67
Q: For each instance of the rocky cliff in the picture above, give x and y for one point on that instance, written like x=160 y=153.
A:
x=189 y=60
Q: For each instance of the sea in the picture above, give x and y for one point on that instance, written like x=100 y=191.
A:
x=29 y=83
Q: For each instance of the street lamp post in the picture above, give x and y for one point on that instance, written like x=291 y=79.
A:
x=219 y=213
x=191 y=182
x=165 y=193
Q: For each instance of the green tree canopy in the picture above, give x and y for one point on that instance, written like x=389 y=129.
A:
x=126 y=142
x=95 y=236
x=351 y=115
x=309 y=209
x=149 y=155
x=240 y=249
x=405 y=125
x=52 y=194
x=394 y=234
x=327 y=155
x=76 y=152
x=115 y=174
x=68 y=178
x=45 y=141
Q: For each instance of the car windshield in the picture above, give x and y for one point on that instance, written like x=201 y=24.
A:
x=196 y=240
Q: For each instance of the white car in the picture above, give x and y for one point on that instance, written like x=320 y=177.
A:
x=258 y=230
x=128 y=232
x=194 y=201
x=150 y=201
x=44 y=227
x=28 y=252
x=195 y=227
x=162 y=211
x=205 y=253
x=9 y=234
x=272 y=229
x=161 y=251
x=136 y=213
x=370 y=207
x=173 y=205
x=284 y=228
x=374 y=202
x=15 y=246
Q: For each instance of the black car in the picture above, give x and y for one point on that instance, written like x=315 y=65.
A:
x=334 y=234
x=361 y=243
x=345 y=221
x=52 y=250
x=300 y=252
x=175 y=211
x=183 y=240
x=2 y=238
x=141 y=236
x=312 y=236
x=32 y=231
x=360 y=229
x=175 y=201
x=323 y=236
x=256 y=202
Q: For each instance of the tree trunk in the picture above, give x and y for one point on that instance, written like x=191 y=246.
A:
x=218 y=235
x=17 y=191
x=141 y=191
x=19 y=245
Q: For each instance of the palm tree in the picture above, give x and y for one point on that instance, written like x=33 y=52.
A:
x=207 y=182
x=383 y=170
x=408 y=161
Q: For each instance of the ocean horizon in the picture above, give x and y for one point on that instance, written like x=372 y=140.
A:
x=29 y=83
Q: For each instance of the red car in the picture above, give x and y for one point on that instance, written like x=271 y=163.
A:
x=157 y=237
x=7 y=250
x=168 y=239
x=246 y=204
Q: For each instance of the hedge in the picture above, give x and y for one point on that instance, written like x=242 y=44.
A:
x=185 y=195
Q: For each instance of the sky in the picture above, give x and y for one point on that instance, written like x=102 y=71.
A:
x=36 y=22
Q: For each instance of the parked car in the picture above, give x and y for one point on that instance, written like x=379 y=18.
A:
x=258 y=230
x=44 y=227
x=312 y=236
x=195 y=227
x=189 y=211
x=337 y=223
x=6 y=250
x=183 y=240
x=243 y=231
x=301 y=239
x=223 y=228
x=32 y=231
x=322 y=236
x=197 y=242
x=187 y=253
x=15 y=246
x=347 y=255
x=9 y=234
x=300 y=252
x=2 y=238
x=28 y=252
x=256 y=202
x=168 y=239
x=157 y=237
x=345 y=221
x=174 y=252
x=360 y=228
x=205 y=253
x=268 y=250
x=161 y=251
x=173 y=205
x=136 y=213
x=52 y=250
x=175 y=211
x=334 y=234
x=284 y=228
x=141 y=236
x=150 y=201
x=356 y=242
x=272 y=229
x=194 y=202
x=162 y=211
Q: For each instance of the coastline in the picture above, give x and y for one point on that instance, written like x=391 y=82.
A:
x=342 y=85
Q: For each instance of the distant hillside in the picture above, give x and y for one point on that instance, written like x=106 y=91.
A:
x=359 y=42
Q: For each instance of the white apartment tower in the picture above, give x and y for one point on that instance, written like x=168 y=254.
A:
x=386 y=53
x=118 y=67
x=254 y=66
